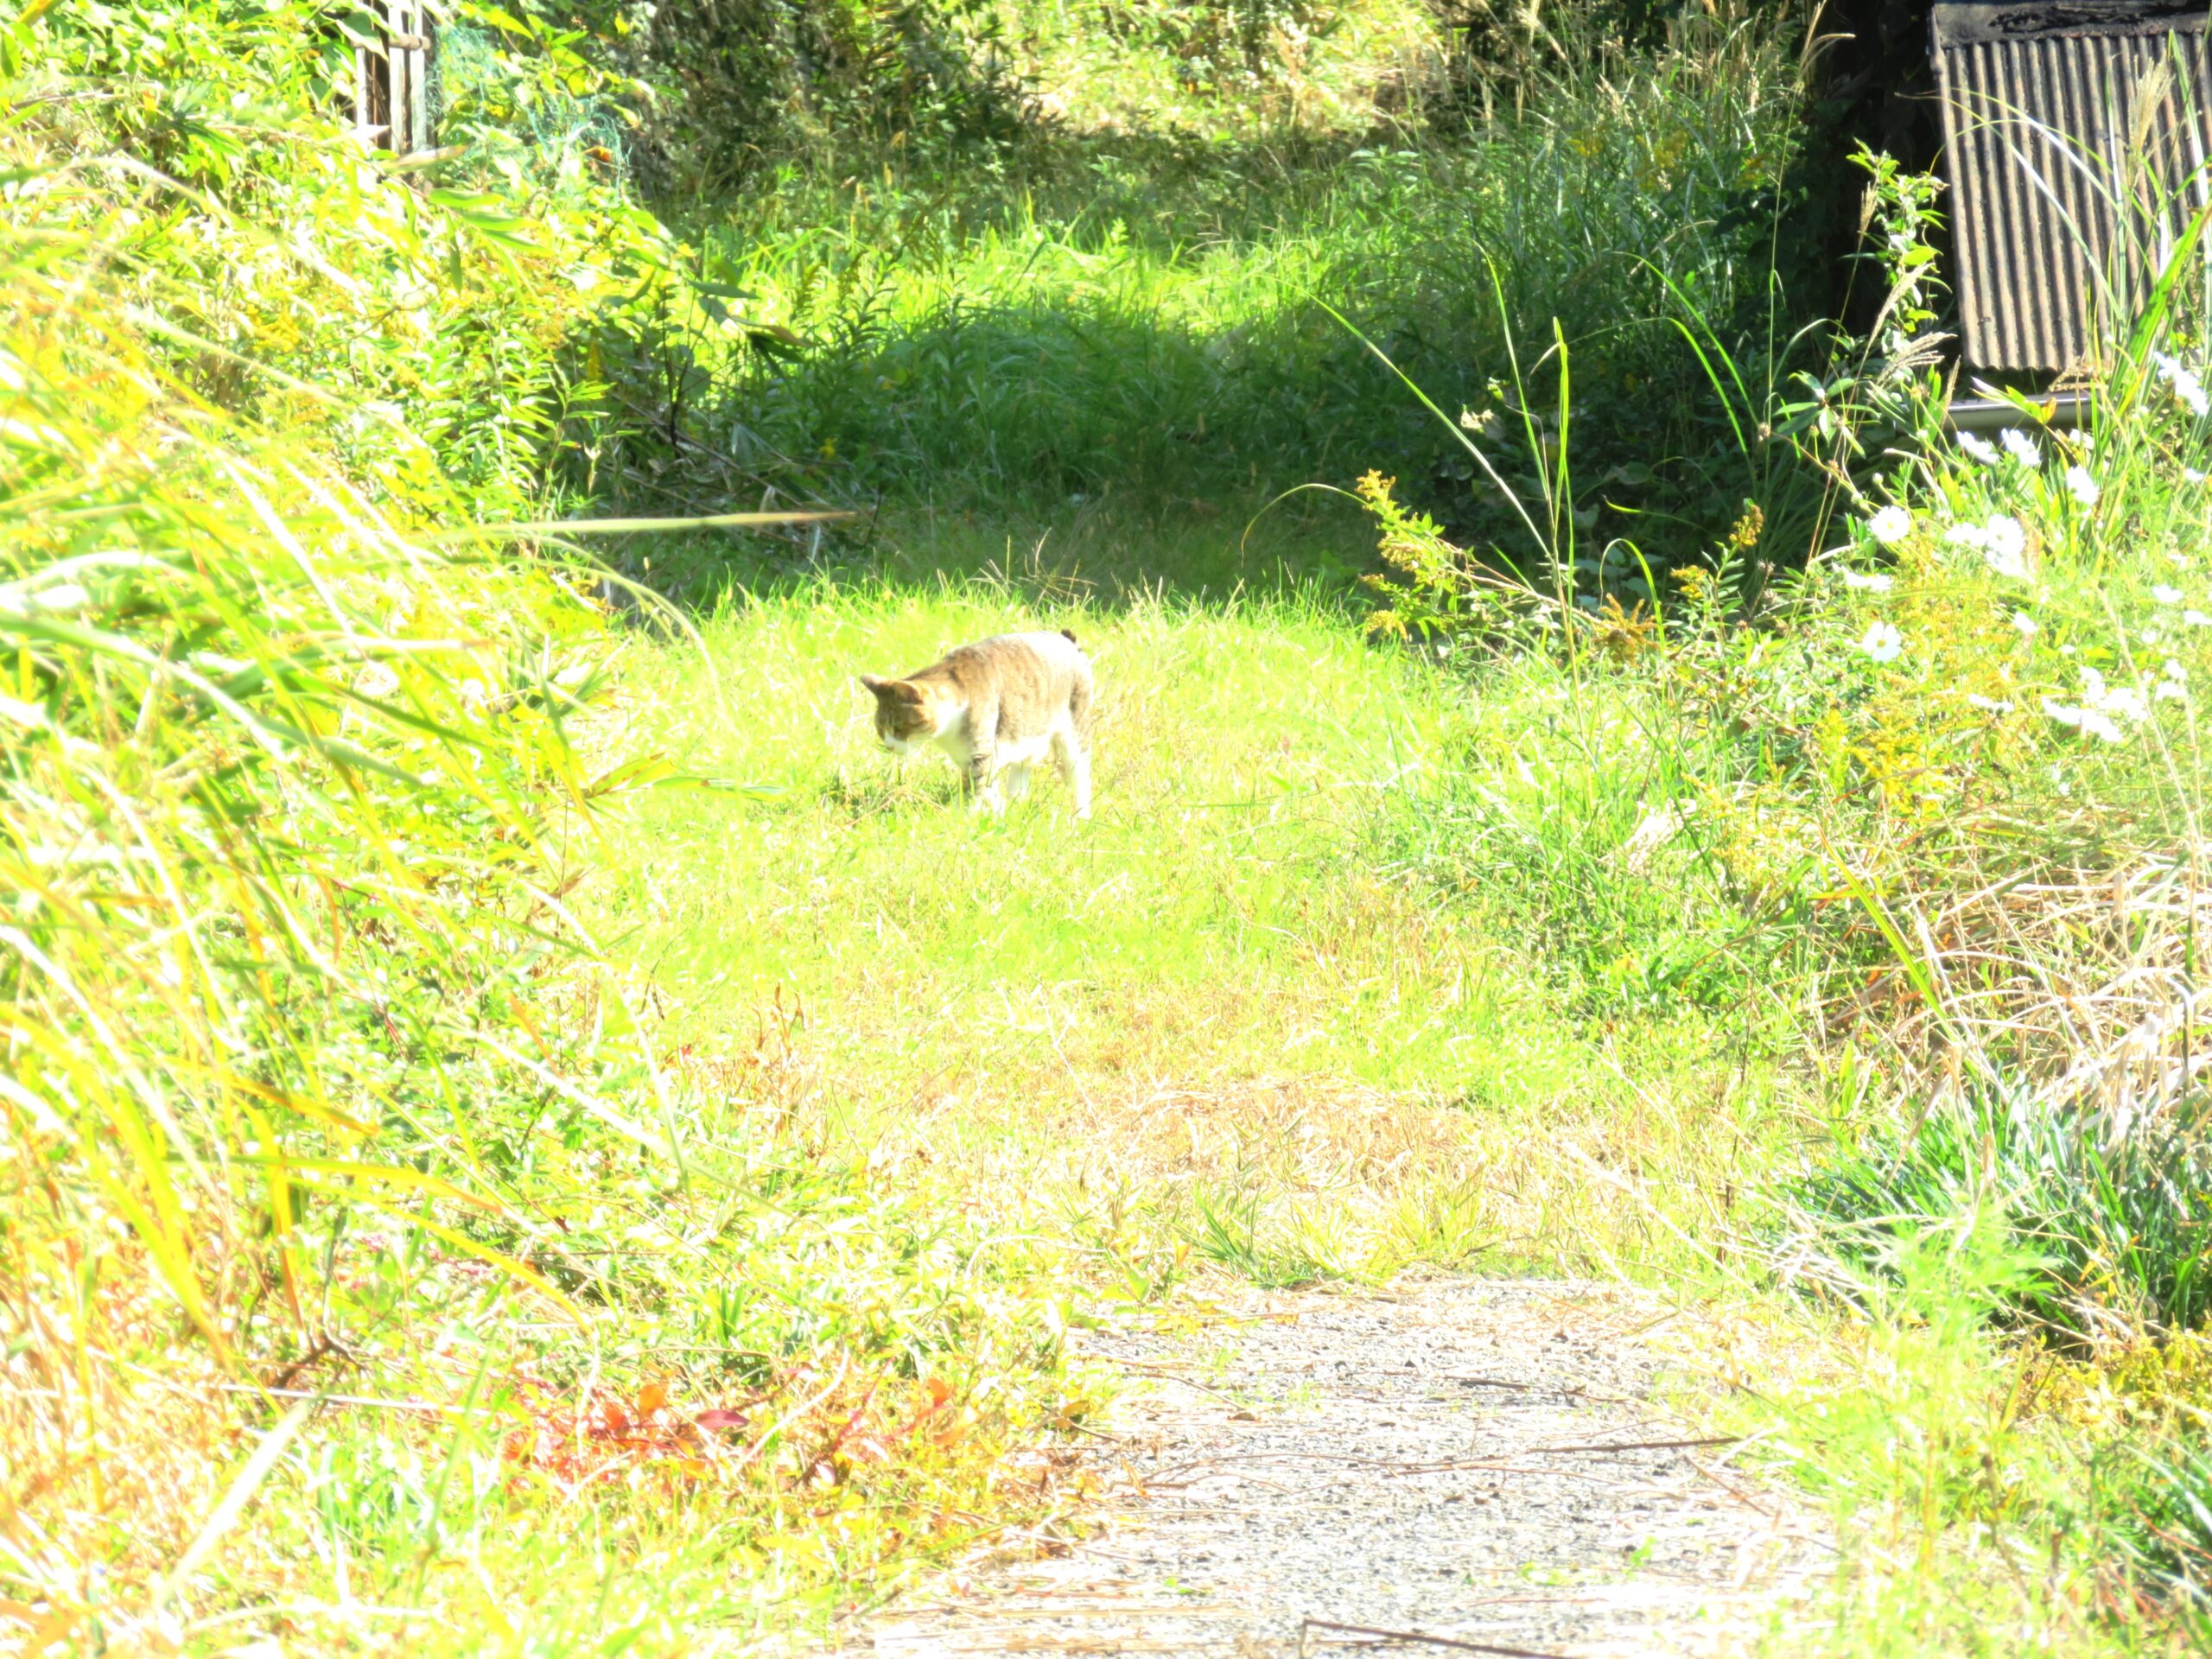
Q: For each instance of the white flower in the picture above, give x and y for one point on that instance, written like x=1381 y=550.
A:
x=2173 y=670
x=2024 y=447
x=2103 y=708
x=2165 y=594
x=2149 y=636
x=1980 y=448
x=2170 y=691
x=2125 y=702
x=376 y=681
x=1995 y=706
x=1882 y=643
x=2194 y=476
x=2088 y=721
x=2196 y=619
x=1866 y=584
x=1891 y=525
x=2083 y=486
x=2027 y=625
x=2003 y=545
x=2188 y=390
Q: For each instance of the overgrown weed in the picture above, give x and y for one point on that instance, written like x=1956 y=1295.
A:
x=1144 y=330
x=1940 y=794
x=360 y=1230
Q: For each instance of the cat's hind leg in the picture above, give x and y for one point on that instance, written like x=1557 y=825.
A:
x=1073 y=755
x=1017 y=782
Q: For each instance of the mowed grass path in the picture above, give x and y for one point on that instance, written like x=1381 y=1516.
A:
x=1212 y=1015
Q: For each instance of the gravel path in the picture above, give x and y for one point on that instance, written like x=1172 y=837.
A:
x=1470 y=1460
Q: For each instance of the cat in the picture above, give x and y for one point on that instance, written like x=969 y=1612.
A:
x=998 y=708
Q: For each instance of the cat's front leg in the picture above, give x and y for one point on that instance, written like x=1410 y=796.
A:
x=979 y=778
x=982 y=771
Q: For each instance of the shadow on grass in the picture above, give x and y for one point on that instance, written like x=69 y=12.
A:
x=1096 y=360
x=1064 y=447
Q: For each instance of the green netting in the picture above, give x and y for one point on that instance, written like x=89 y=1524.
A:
x=469 y=71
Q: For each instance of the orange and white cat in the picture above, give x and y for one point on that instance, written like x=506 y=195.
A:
x=998 y=708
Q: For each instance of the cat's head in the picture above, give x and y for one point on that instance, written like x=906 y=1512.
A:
x=907 y=714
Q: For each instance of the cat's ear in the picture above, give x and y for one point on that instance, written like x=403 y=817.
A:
x=876 y=684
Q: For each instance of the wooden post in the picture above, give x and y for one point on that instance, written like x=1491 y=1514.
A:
x=403 y=89
x=391 y=87
x=418 y=108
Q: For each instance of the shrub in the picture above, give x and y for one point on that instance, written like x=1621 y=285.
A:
x=2109 y=1204
x=314 y=1086
x=2153 y=1500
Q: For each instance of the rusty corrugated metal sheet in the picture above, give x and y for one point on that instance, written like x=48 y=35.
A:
x=2076 y=144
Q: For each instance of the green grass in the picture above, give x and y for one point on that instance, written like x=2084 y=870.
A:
x=679 y=1188
x=1244 y=749
x=1141 y=340
x=1144 y=1006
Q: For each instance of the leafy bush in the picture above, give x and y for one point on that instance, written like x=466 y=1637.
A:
x=2154 y=1501
x=739 y=85
x=1896 y=784
x=2109 y=1205
x=315 y=1087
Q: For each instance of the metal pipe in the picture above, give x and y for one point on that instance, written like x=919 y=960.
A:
x=2064 y=412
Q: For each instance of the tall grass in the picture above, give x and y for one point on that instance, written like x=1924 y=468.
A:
x=1927 y=816
x=360 y=1232
x=1134 y=329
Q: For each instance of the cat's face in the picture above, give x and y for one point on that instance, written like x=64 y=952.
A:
x=905 y=715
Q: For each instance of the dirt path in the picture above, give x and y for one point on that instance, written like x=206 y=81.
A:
x=1470 y=1460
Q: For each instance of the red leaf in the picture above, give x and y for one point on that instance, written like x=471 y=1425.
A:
x=720 y=1419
